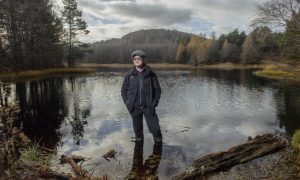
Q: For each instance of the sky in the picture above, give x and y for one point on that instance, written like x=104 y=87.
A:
x=108 y=19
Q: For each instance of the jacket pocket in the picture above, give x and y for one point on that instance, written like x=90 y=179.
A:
x=127 y=101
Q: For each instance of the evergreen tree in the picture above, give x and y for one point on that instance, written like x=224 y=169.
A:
x=72 y=17
x=236 y=38
x=30 y=34
x=291 y=44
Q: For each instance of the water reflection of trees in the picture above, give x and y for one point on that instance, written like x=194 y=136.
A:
x=232 y=77
x=42 y=110
x=44 y=105
x=79 y=114
x=5 y=93
x=288 y=106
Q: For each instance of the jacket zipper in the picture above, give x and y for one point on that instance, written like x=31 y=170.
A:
x=140 y=85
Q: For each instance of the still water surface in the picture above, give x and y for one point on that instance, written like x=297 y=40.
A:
x=200 y=112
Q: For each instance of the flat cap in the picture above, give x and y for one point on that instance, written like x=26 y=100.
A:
x=138 y=53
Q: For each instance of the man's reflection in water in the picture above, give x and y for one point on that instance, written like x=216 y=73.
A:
x=148 y=169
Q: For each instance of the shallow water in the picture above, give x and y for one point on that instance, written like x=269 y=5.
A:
x=200 y=112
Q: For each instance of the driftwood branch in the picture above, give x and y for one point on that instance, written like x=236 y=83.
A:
x=254 y=148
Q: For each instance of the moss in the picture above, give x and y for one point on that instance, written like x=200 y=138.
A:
x=296 y=140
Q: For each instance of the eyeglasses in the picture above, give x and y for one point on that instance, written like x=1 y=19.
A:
x=137 y=59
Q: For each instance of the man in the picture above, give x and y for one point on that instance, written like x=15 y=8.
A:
x=141 y=93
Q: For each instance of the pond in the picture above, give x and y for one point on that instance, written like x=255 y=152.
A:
x=200 y=112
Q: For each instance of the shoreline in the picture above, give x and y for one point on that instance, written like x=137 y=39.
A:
x=232 y=66
x=28 y=74
x=223 y=66
x=152 y=65
x=266 y=70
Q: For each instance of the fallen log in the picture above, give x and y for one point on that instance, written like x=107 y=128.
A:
x=254 y=148
x=78 y=170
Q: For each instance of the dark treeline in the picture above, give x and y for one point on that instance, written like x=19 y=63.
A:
x=159 y=44
x=32 y=35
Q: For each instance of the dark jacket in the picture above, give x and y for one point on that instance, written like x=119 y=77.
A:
x=131 y=88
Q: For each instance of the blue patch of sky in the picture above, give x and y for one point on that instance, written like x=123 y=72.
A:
x=94 y=20
x=198 y=26
x=108 y=127
x=112 y=21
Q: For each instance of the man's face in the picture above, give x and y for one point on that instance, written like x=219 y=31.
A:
x=137 y=61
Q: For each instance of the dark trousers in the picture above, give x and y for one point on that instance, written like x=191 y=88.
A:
x=151 y=120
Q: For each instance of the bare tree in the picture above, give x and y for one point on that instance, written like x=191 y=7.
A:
x=275 y=13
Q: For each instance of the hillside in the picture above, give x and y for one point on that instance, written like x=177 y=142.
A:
x=159 y=44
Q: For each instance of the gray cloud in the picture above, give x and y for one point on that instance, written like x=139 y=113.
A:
x=117 y=0
x=155 y=13
x=114 y=18
x=234 y=6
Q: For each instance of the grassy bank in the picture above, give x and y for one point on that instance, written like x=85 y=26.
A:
x=267 y=70
x=44 y=73
x=280 y=72
x=152 y=65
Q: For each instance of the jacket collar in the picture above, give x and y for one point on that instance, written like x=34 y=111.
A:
x=147 y=71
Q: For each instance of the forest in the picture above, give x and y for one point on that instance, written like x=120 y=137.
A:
x=33 y=35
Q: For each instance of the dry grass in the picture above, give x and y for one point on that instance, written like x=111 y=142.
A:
x=280 y=72
x=44 y=73
x=231 y=66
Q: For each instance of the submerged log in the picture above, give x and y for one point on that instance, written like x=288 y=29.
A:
x=254 y=148
x=76 y=159
x=110 y=154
